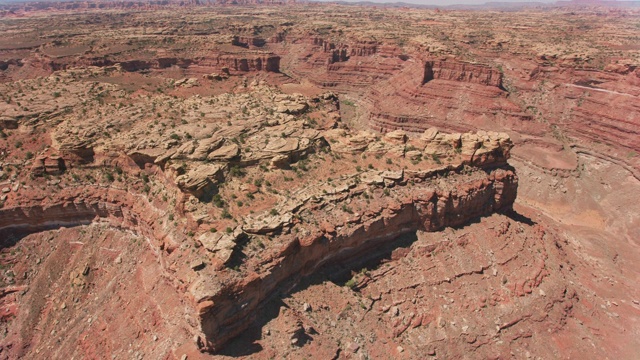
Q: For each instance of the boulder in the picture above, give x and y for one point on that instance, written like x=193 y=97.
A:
x=280 y=145
x=469 y=144
x=430 y=133
x=220 y=244
x=205 y=147
x=441 y=144
x=184 y=150
x=268 y=224
x=226 y=152
x=280 y=162
x=413 y=154
x=292 y=108
x=202 y=179
x=212 y=76
x=187 y=82
x=397 y=136
x=50 y=165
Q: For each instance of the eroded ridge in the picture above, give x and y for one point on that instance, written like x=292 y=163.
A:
x=342 y=220
x=372 y=217
x=168 y=176
x=336 y=219
x=179 y=186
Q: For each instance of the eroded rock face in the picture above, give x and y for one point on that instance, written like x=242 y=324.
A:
x=355 y=228
x=396 y=202
x=245 y=182
x=8 y=123
x=247 y=41
x=463 y=72
x=221 y=245
x=202 y=179
x=420 y=295
x=245 y=63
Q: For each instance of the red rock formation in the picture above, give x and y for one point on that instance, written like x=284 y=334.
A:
x=67 y=214
x=248 y=41
x=254 y=2
x=457 y=102
x=347 y=65
x=243 y=62
x=499 y=287
x=72 y=207
x=225 y=312
x=77 y=6
x=4 y=64
x=463 y=72
x=342 y=52
x=603 y=105
x=50 y=165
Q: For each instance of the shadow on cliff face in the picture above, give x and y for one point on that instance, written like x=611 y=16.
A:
x=10 y=236
x=245 y=344
x=513 y=215
x=510 y=213
x=350 y=269
x=339 y=271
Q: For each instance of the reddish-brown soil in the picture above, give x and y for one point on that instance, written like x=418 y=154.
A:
x=318 y=181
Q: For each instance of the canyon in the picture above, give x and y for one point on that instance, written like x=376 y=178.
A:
x=195 y=180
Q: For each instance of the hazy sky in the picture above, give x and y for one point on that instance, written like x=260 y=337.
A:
x=446 y=2
x=422 y=2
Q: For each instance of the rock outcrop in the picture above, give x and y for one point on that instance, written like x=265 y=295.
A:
x=463 y=72
x=70 y=207
x=188 y=170
x=202 y=180
x=48 y=165
x=418 y=201
x=8 y=123
x=227 y=311
x=348 y=65
x=243 y=62
x=248 y=41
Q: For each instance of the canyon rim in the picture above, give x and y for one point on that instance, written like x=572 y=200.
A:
x=272 y=179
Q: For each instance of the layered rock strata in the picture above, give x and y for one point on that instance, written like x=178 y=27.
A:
x=73 y=207
x=457 y=95
x=244 y=62
x=463 y=72
x=426 y=201
x=358 y=212
x=347 y=65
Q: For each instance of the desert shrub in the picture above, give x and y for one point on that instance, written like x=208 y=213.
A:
x=351 y=283
x=237 y=171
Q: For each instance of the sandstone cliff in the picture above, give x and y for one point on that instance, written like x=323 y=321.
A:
x=464 y=72
x=417 y=202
